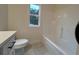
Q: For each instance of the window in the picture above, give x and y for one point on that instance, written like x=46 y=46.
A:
x=34 y=15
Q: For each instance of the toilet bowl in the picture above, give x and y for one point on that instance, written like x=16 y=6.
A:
x=20 y=43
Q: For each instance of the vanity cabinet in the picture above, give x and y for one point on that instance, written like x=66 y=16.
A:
x=7 y=47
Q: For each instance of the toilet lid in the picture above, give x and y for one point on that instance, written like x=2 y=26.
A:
x=21 y=41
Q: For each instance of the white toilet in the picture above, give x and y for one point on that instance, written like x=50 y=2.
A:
x=20 y=43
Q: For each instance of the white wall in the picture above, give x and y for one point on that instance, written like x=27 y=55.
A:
x=59 y=25
x=48 y=21
x=68 y=16
x=18 y=19
x=3 y=17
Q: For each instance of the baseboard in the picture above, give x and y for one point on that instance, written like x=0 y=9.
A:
x=54 y=45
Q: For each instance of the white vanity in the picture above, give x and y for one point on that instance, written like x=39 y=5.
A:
x=7 y=41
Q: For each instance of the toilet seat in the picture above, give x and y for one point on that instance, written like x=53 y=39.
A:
x=20 y=43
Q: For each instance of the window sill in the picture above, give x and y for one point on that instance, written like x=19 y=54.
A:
x=30 y=25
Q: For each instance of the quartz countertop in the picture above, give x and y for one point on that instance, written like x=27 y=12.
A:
x=4 y=35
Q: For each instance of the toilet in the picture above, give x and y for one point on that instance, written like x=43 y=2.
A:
x=20 y=44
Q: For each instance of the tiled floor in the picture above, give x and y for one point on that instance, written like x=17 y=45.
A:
x=35 y=49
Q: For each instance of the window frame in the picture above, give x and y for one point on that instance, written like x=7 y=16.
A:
x=30 y=25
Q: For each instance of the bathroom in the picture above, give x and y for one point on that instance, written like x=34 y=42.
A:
x=55 y=33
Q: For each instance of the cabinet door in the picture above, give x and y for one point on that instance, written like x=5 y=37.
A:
x=7 y=48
